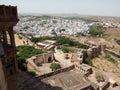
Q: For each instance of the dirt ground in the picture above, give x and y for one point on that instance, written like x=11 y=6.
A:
x=112 y=33
x=109 y=69
x=104 y=65
x=18 y=41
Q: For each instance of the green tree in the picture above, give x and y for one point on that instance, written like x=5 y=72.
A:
x=70 y=42
x=40 y=39
x=24 y=52
x=55 y=66
x=61 y=40
x=65 y=48
x=96 y=30
x=79 y=34
x=26 y=27
x=88 y=61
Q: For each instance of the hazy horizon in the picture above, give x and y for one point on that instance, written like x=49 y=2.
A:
x=64 y=14
x=80 y=7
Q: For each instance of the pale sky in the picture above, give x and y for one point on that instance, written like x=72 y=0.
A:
x=82 y=7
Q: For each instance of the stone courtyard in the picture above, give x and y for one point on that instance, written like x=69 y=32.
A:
x=70 y=80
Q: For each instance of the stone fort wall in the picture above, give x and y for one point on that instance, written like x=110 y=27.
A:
x=94 y=51
x=44 y=58
x=2 y=78
x=34 y=62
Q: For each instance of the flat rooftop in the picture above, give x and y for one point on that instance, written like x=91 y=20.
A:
x=71 y=80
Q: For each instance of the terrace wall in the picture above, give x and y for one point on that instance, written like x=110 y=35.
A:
x=56 y=72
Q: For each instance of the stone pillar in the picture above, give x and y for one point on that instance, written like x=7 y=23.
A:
x=12 y=40
x=3 y=84
x=11 y=33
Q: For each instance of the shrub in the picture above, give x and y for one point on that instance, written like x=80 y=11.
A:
x=55 y=66
x=88 y=61
x=60 y=40
x=32 y=73
x=79 y=34
x=109 y=58
x=70 y=42
x=24 y=52
x=118 y=42
x=26 y=27
x=99 y=77
x=22 y=66
x=65 y=48
x=96 y=31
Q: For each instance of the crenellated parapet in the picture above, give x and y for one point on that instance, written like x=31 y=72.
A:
x=8 y=16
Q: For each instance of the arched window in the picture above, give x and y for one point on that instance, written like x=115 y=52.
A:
x=8 y=38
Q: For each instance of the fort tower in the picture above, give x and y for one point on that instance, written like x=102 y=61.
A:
x=9 y=68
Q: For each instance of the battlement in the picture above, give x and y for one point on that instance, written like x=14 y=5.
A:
x=8 y=14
